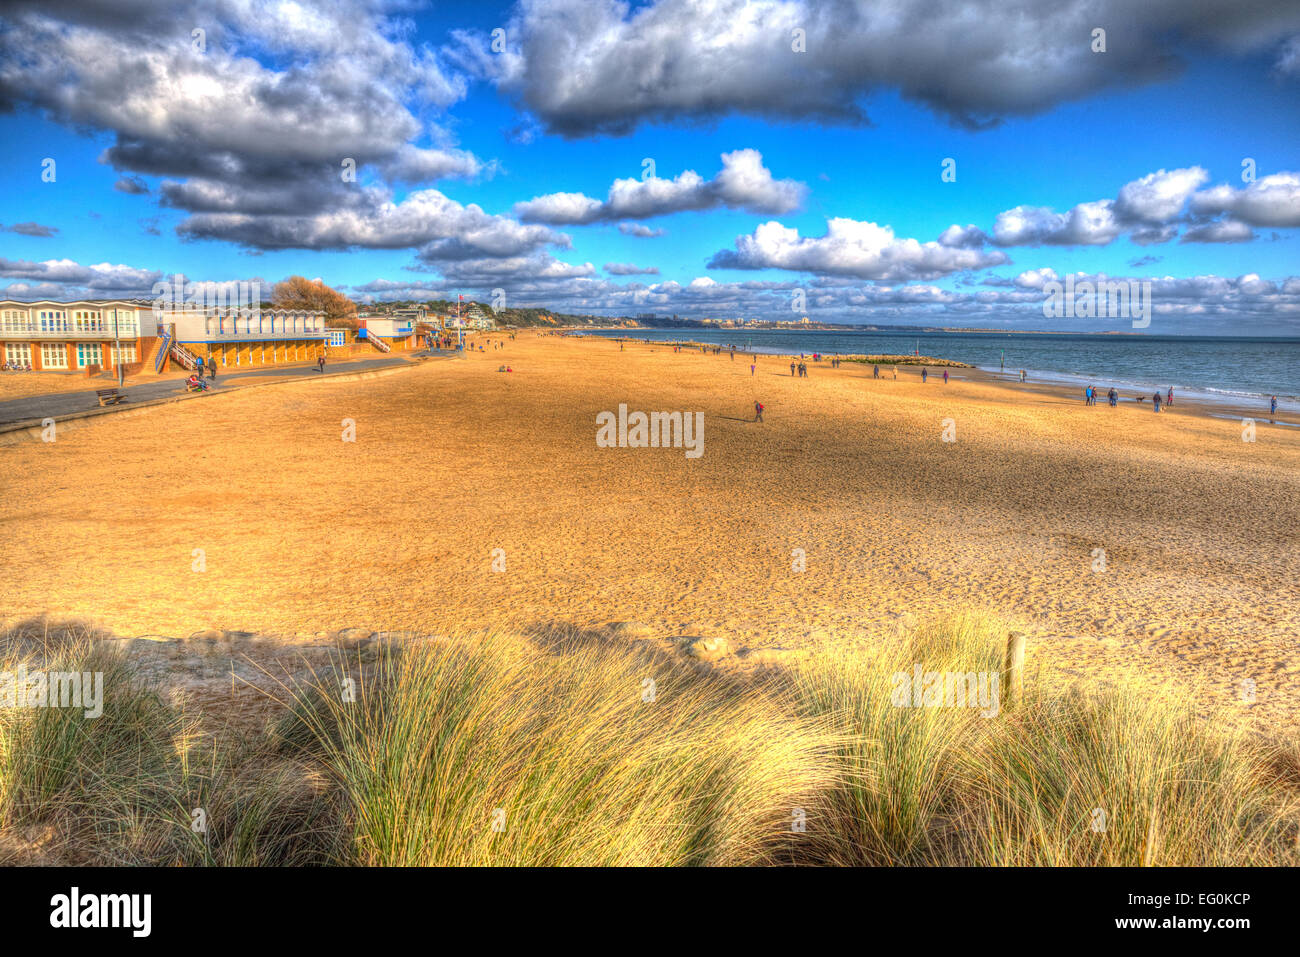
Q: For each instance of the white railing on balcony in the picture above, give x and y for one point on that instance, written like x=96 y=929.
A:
x=59 y=329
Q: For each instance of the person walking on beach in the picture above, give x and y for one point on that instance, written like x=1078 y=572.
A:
x=945 y=376
x=1113 y=397
x=751 y=368
x=320 y=364
x=791 y=368
x=925 y=374
x=1169 y=400
x=895 y=373
x=875 y=372
x=1087 y=395
x=1272 y=406
x=1155 y=400
x=1022 y=375
x=758 y=411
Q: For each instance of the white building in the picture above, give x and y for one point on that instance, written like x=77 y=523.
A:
x=64 y=336
x=234 y=338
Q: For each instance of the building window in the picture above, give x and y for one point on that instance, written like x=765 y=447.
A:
x=89 y=354
x=123 y=354
x=54 y=355
x=338 y=337
x=19 y=353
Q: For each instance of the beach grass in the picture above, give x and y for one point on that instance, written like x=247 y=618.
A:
x=98 y=789
x=563 y=751
x=564 y=747
x=1086 y=773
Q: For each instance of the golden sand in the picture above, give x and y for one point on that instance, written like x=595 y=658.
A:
x=302 y=532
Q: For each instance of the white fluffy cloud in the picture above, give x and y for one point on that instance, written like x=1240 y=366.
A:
x=1269 y=201
x=1144 y=208
x=743 y=183
x=1148 y=210
x=1159 y=197
x=861 y=250
x=1087 y=224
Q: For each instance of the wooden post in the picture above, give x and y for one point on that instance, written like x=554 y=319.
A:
x=1013 y=672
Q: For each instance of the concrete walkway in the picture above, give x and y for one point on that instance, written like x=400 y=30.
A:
x=65 y=403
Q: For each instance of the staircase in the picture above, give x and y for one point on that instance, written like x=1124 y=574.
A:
x=182 y=355
x=164 y=346
x=378 y=343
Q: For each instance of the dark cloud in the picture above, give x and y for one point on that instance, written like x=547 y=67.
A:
x=65 y=278
x=255 y=127
x=31 y=229
x=132 y=185
x=1219 y=231
x=639 y=230
x=588 y=67
x=442 y=227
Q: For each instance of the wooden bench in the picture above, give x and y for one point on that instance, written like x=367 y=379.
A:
x=109 y=396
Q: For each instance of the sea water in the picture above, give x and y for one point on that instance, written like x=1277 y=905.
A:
x=1239 y=370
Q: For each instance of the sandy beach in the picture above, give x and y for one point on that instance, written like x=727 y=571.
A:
x=303 y=533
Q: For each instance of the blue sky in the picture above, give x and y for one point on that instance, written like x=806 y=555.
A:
x=234 y=152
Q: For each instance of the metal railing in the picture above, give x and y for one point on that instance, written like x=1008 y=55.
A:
x=163 y=347
x=182 y=355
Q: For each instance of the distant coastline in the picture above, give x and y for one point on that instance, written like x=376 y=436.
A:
x=614 y=325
